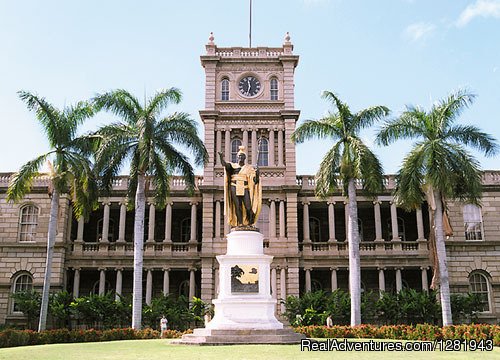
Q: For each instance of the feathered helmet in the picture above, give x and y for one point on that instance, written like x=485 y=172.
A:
x=241 y=151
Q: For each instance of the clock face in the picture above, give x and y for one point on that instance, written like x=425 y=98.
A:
x=249 y=86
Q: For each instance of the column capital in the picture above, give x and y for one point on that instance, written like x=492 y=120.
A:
x=334 y=269
x=77 y=268
x=330 y=202
x=106 y=201
x=398 y=268
x=195 y=203
x=119 y=269
x=424 y=268
x=101 y=269
x=167 y=269
x=151 y=202
x=192 y=268
x=308 y=268
x=383 y=268
x=123 y=202
x=377 y=202
x=171 y=203
x=305 y=202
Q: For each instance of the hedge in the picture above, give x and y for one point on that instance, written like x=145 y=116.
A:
x=10 y=338
x=405 y=332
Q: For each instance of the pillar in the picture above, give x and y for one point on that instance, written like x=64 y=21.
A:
x=79 y=231
x=280 y=147
x=282 y=219
x=254 y=147
x=227 y=145
x=166 y=281
x=272 y=219
x=271 y=148
x=306 y=222
x=381 y=280
x=168 y=221
x=123 y=221
x=119 y=282
x=394 y=221
x=192 y=284
x=245 y=140
x=217 y=219
x=399 y=281
x=378 y=221
x=331 y=220
x=151 y=223
x=420 y=224
x=425 y=281
x=274 y=283
x=149 y=286
x=102 y=281
x=193 y=221
x=308 y=279
x=76 y=283
x=333 y=276
x=218 y=146
x=282 y=288
x=105 y=222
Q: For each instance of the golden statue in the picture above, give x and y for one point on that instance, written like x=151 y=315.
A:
x=242 y=191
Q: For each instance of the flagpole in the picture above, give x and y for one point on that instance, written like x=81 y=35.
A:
x=250 y=32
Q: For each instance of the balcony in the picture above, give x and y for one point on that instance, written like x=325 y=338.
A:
x=121 y=248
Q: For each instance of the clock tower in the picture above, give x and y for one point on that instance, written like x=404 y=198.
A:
x=249 y=101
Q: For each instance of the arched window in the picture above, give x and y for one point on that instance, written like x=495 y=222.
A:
x=473 y=222
x=22 y=282
x=263 y=221
x=186 y=229
x=401 y=229
x=235 y=147
x=314 y=229
x=263 y=152
x=224 y=89
x=274 y=89
x=111 y=227
x=28 y=222
x=479 y=285
x=360 y=229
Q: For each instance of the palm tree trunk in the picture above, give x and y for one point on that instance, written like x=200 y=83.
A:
x=51 y=238
x=444 y=282
x=140 y=207
x=354 y=262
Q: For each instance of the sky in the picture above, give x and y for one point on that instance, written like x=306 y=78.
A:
x=386 y=52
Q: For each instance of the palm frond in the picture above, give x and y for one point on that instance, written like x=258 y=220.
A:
x=409 y=125
x=161 y=180
x=447 y=110
x=328 y=173
x=21 y=182
x=367 y=167
x=120 y=102
x=410 y=179
x=367 y=117
x=323 y=128
x=470 y=135
x=342 y=107
x=161 y=100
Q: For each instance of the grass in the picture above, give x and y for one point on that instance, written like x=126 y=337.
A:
x=162 y=349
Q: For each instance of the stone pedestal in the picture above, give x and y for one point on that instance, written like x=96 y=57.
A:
x=244 y=308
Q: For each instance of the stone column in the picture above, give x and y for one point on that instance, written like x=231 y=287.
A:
x=394 y=221
x=102 y=281
x=399 y=281
x=245 y=140
x=123 y=221
x=151 y=223
x=227 y=145
x=308 y=279
x=217 y=219
x=149 y=286
x=282 y=288
x=420 y=224
x=79 y=231
x=306 y=222
x=271 y=148
x=282 y=219
x=168 y=221
x=76 y=283
x=272 y=219
x=254 y=147
x=331 y=220
x=119 y=282
x=218 y=146
x=166 y=281
x=378 y=221
x=193 y=221
x=274 y=283
x=381 y=280
x=333 y=277
x=280 y=147
x=105 y=222
x=425 y=281
x=192 y=284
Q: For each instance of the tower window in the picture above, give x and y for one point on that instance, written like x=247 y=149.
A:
x=225 y=89
x=235 y=147
x=274 y=89
x=263 y=152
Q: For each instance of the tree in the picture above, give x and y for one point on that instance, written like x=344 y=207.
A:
x=70 y=171
x=349 y=159
x=438 y=166
x=147 y=140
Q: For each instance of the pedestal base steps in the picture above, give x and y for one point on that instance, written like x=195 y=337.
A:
x=240 y=337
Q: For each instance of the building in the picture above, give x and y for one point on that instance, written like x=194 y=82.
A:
x=249 y=101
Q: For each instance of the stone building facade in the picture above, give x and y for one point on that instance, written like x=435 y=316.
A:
x=249 y=101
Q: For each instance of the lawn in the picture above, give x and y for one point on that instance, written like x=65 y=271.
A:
x=162 y=349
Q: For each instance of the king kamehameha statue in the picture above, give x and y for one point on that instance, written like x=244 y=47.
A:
x=242 y=192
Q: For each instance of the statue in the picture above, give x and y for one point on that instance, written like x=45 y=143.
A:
x=242 y=192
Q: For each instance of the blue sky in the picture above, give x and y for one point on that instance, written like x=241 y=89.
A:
x=386 y=52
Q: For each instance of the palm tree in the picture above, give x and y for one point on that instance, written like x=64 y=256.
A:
x=147 y=140
x=349 y=159
x=70 y=171
x=438 y=166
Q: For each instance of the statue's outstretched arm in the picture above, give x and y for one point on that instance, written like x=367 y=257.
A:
x=222 y=161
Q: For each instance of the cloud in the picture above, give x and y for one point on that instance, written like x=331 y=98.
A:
x=419 y=31
x=483 y=8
